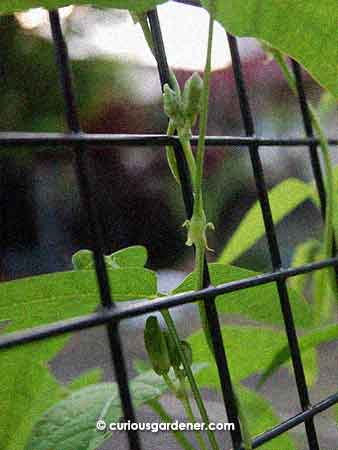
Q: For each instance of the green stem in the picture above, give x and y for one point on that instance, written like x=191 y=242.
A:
x=198 y=203
x=199 y=265
x=325 y=314
x=185 y=142
x=196 y=174
x=166 y=418
x=199 y=270
x=330 y=185
x=171 y=157
x=189 y=412
x=143 y=21
x=170 y=384
x=204 y=115
x=171 y=130
x=187 y=369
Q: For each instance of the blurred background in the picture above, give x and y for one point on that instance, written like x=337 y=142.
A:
x=118 y=91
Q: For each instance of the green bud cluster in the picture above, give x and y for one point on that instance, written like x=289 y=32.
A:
x=183 y=109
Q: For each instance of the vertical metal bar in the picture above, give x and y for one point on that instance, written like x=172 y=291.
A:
x=272 y=242
x=187 y=193
x=73 y=123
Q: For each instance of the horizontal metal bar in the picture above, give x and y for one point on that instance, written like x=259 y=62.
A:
x=14 y=139
x=295 y=420
x=121 y=312
x=189 y=2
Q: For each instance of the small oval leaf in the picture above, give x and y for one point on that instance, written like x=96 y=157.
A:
x=83 y=260
x=134 y=256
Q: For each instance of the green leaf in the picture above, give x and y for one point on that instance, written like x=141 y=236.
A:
x=71 y=423
x=83 y=260
x=174 y=356
x=306 y=343
x=315 y=198
x=93 y=376
x=284 y=198
x=135 y=256
x=141 y=366
x=42 y=299
x=171 y=159
x=327 y=104
x=249 y=349
x=324 y=304
x=261 y=417
x=304 y=254
x=302 y=29
x=260 y=303
x=11 y=6
x=27 y=389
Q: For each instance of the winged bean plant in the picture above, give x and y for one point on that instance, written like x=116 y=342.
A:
x=39 y=413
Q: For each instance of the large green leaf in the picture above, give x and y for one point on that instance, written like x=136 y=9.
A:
x=284 y=198
x=10 y=6
x=261 y=417
x=259 y=303
x=306 y=342
x=304 y=29
x=250 y=350
x=27 y=388
x=71 y=423
x=41 y=299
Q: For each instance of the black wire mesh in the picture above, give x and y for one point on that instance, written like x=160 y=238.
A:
x=112 y=314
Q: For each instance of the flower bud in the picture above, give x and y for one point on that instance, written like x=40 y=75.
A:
x=172 y=105
x=174 y=356
x=192 y=98
x=156 y=346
